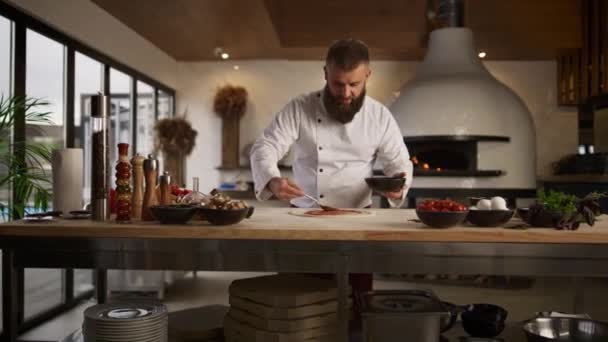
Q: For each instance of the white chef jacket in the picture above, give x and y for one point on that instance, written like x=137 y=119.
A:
x=331 y=159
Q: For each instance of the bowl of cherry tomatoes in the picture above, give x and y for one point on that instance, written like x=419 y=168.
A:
x=441 y=213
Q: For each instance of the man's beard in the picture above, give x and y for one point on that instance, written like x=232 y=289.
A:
x=342 y=112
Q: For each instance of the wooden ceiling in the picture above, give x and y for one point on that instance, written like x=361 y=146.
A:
x=190 y=30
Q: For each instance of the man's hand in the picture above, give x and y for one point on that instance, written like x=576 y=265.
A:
x=395 y=194
x=284 y=188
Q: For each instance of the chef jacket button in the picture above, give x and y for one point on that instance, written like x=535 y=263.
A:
x=319 y=120
x=320 y=170
x=321 y=196
x=320 y=148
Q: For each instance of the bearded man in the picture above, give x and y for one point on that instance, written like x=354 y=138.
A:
x=338 y=134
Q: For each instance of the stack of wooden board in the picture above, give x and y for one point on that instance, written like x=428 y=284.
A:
x=282 y=308
x=203 y=324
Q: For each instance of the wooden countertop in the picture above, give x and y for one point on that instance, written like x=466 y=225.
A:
x=278 y=224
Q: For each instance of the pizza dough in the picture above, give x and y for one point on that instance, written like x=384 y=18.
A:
x=320 y=213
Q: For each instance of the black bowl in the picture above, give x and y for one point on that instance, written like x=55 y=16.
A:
x=489 y=218
x=173 y=214
x=541 y=218
x=484 y=320
x=438 y=219
x=224 y=217
x=385 y=184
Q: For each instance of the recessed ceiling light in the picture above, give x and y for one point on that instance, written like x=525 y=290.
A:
x=482 y=54
x=225 y=55
x=236 y=67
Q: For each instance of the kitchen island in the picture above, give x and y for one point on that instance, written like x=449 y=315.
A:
x=274 y=240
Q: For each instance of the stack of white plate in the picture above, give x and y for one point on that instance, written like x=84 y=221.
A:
x=122 y=322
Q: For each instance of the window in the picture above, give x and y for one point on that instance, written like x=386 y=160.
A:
x=87 y=82
x=5 y=90
x=165 y=105
x=45 y=80
x=145 y=118
x=120 y=113
x=47 y=77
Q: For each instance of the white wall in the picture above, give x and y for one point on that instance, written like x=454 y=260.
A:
x=90 y=24
x=271 y=84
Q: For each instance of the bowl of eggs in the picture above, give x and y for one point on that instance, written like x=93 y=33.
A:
x=490 y=212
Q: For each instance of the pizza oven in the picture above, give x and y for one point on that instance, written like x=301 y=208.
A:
x=465 y=129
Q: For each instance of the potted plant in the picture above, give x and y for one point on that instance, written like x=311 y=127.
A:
x=21 y=161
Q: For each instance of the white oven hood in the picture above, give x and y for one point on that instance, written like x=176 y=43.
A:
x=454 y=94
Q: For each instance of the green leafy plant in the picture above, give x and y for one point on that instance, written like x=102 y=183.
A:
x=564 y=211
x=21 y=161
x=557 y=201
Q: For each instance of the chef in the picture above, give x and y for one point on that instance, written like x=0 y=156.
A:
x=337 y=135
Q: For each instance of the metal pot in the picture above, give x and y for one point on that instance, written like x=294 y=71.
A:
x=565 y=329
x=401 y=315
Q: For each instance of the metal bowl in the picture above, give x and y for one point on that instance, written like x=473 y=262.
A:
x=545 y=329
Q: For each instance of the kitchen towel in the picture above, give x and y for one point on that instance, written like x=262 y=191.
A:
x=68 y=171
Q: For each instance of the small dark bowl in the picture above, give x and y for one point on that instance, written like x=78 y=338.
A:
x=385 y=184
x=224 y=217
x=543 y=218
x=437 y=219
x=489 y=218
x=173 y=214
x=484 y=320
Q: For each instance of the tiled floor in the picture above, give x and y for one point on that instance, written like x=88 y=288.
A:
x=211 y=288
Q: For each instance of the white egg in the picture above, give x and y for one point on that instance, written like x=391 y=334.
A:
x=484 y=204
x=499 y=203
x=473 y=208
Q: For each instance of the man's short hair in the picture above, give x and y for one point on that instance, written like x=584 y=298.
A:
x=347 y=54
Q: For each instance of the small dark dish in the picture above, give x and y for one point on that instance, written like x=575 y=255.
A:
x=554 y=329
x=438 y=219
x=484 y=320
x=489 y=218
x=224 y=217
x=79 y=214
x=385 y=184
x=173 y=214
x=542 y=218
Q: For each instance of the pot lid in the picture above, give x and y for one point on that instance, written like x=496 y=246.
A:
x=401 y=301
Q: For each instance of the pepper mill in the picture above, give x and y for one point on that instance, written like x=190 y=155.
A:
x=150 y=198
x=100 y=169
x=137 y=199
x=165 y=188
x=123 y=184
